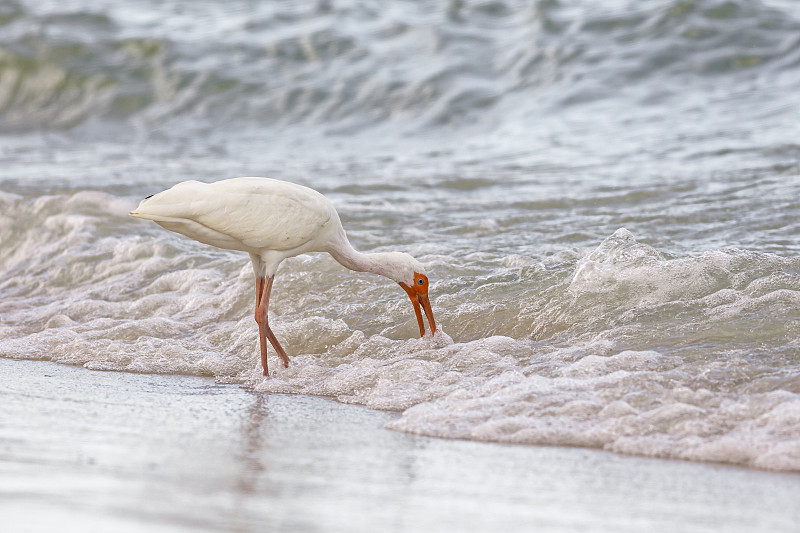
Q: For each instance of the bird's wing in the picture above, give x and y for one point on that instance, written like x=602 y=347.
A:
x=259 y=213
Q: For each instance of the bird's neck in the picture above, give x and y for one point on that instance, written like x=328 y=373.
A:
x=351 y=258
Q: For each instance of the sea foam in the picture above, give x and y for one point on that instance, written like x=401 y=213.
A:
x=608 y=348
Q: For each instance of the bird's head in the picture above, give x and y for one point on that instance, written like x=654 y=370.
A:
x=418 y=292
x=410 y=274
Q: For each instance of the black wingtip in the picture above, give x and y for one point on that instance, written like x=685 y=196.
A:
x=148 y=197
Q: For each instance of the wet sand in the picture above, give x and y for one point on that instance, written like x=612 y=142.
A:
x=99 y=451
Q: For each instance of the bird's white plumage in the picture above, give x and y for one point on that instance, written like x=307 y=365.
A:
x=268 y=218
x=249 y=214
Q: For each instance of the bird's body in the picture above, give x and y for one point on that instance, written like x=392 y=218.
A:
x=268 y=218
x=273 y=220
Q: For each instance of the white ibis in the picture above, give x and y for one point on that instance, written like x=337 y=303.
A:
x=272 y=220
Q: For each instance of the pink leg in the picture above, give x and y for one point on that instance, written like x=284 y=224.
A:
x=263 y=288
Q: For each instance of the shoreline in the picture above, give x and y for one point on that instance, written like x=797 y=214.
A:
x=85 y=451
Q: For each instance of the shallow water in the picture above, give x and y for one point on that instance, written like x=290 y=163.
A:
x=606 y=200
x=115 y=451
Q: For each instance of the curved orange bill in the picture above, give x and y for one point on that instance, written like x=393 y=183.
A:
x=421 y=300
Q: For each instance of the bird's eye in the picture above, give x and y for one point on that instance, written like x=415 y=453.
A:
x=421 y=281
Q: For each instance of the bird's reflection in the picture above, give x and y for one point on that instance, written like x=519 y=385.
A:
x=251 y=455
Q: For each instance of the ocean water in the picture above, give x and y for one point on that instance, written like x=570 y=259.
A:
x=606 y=196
